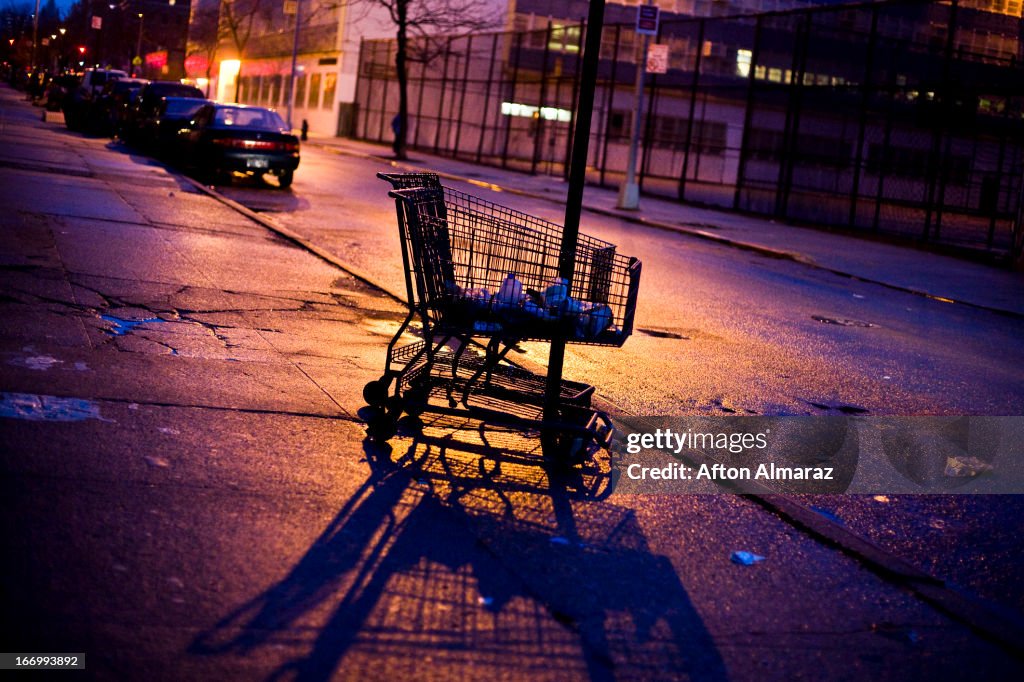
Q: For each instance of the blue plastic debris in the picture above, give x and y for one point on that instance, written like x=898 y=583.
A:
x=745 y=558
x=122 y=327
x=47 y=408
x=831 y=516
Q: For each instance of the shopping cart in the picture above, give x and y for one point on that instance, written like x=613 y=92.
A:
x=482 y=278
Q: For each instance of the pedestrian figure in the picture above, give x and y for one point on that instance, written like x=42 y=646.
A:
x=305 y=130
x=396 y=128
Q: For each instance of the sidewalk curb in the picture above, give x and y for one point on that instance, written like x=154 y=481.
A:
x=298 y=240
x=765 y=251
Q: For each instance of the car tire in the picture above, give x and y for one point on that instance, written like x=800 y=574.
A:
x=284 y=178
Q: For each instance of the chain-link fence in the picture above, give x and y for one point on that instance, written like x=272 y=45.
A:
x=903 y=117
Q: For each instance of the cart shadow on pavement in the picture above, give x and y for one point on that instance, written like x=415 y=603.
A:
x=461 y=554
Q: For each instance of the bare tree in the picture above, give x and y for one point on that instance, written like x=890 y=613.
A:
x=415 y=22
x=238 y=18
x=204 y=33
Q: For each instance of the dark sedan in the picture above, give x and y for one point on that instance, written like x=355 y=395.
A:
x=174 y=114
x=139 y=126
x=225 y=138
x=112 y=104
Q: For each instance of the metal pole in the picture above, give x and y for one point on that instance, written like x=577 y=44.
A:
x=35 y=35
x=295 y=58
x=629 y=193
x=138 y=46
x=574 y=200
x=577 y=69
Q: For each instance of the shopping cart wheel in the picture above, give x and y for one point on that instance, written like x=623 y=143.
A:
x=375 y=393
x=414 y=401
x=381 y=428
x=564 y=450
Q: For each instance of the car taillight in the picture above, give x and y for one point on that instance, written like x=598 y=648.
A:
x=256 y=145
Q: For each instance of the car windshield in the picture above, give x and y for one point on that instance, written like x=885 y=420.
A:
x=175 y=90
x=183 y=107
x=248 y=117
x=99 y=78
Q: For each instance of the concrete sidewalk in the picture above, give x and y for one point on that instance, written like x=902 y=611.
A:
x=900 y=267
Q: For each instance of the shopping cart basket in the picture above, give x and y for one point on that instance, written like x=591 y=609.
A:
x=481 y=278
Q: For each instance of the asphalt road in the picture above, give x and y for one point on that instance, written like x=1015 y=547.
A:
x=722 y=331
x=221 y=514
x=719 y=331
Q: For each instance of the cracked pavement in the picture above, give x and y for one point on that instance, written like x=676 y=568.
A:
x=216 y=513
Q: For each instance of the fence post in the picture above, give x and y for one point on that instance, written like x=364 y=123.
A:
x=383 y=91
x=462 y=99
x=359 y=90
x=652 y=99
x=748 y=115
x=681 y=192
x=886 y=159
x=866 y=86
x=419 y=104
x=538 y=128
x=793 y=107
x=1005 y=125
x=440 y=100
x=487 y=99
x=512 y=98
x=609 y=103
x=945 y=99
x=948 y=152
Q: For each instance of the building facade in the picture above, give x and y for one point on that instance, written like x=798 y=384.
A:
x=902 y=116
x=241 y=50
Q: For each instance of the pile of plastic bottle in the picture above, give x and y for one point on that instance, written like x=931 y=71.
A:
x=515 y=302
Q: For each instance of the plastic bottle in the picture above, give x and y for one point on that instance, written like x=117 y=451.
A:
x=510 y=295
x=556 y=294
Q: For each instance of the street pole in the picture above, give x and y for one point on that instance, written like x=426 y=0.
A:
x=35 y=35
x=295 y=57
x=138 y=45
x=629 y=193
x=574 y=199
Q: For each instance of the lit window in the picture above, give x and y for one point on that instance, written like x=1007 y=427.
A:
x=530 y=111
x=743 y=59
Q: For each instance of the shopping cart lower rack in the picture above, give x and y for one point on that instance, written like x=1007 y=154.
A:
x=481 y=278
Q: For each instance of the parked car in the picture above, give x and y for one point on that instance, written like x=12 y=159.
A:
x=172 y=116
x=111 y=106
x=58 y=88
x=78 y=104
x=224 y=138
x=140 y=120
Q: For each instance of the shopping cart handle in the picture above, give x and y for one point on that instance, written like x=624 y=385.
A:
x=635 y=267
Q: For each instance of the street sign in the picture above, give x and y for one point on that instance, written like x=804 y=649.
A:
x=291 y=6
x=647 y=20
x=97 y=23
x=657 y=58
x=137 y=61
